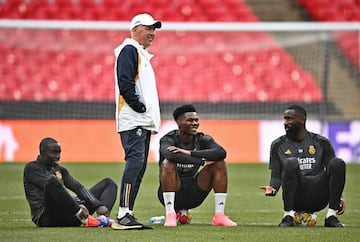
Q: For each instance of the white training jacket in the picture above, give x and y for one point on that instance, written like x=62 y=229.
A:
x=145 y=88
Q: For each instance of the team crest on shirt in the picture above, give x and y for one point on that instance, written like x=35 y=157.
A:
x=312 y=150
x=58 y=175
x=287 y=152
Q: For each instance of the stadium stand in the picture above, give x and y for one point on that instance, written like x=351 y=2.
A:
x=186 y=10
x=341 y=11
x=75 y=74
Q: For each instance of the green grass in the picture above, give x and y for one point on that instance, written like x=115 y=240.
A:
x=256 y=214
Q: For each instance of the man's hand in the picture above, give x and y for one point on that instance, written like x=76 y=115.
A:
x=175 y=149
x=84 y=212
x=269 y=190
x=102 y=210
x=341 y=209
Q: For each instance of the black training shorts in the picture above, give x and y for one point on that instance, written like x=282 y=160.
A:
x=189 y=196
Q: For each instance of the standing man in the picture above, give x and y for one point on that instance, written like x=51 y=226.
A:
x=304 y=164
x=182 y=185
x=137 y=111
x=46 y=183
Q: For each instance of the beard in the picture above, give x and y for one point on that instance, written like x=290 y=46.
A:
x=293 y=131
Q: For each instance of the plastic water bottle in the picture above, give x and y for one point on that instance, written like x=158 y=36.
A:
x=157 y=220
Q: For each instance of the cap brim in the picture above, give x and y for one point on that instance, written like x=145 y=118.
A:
x=157 y=24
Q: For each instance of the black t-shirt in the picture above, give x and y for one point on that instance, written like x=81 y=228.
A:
x=313 y=154
x=203 y=147
x=36 y=174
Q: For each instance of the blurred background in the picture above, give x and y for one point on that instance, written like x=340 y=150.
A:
x=239 y=62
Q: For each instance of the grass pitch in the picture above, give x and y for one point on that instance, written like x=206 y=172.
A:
x=257 y=216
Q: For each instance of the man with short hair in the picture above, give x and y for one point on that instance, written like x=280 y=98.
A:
x=304 y=164
x=182 y=153
x=46 y=183
x=137 y=111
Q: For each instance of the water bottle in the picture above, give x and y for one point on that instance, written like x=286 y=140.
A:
x=157 y=220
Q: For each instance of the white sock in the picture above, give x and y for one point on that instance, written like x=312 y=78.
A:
x=290 y=213
x=220 y=201
x=169 y=198
x=122 y=212
x=331 y=212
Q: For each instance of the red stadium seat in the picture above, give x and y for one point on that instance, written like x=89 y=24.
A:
x=84 y=70
x=344 y=10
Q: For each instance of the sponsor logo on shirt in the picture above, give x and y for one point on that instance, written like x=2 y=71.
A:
x=306 y=163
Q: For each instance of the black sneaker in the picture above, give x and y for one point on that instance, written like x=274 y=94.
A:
x=287 y=221
x=333 y=221
x=128 y=222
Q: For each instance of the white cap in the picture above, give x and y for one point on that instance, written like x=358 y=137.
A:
x=144 y=19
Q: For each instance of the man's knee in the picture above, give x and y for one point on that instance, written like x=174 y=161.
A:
x=337 y=165
x=216 y=167
x=53 y=186
x=167 y=167
x=220 y=166
x=52 y=181
x=290 y=169
x=110 y=183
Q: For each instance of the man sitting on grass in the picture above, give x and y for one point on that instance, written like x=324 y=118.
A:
x=45 y=183
x=305 y=166
x=182 y=153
